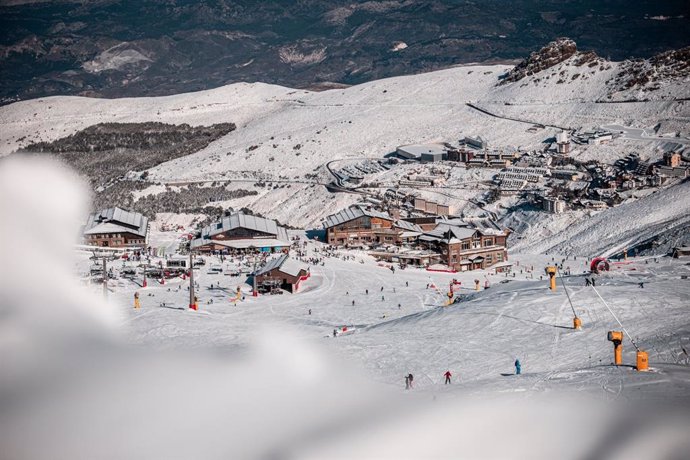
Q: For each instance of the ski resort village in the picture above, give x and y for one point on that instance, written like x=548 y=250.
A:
x=486 y=261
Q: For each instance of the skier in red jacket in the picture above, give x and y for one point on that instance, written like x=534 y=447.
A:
x=447 y=375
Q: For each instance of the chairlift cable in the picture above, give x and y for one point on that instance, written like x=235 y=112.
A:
x=616 y=318
x=566 y=292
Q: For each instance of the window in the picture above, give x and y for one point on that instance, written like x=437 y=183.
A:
x=465 y=245
x=499 y=257
x=488 y=242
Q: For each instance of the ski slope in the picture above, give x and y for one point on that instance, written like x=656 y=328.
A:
x=610 y=231
x=479 y=337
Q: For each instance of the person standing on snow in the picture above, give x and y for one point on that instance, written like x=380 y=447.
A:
x=518 y=366
x=407 y=382
x=447 y=375
x=410 y=378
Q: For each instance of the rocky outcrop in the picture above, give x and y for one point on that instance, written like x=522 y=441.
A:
x=649 y=73
x=552 y=54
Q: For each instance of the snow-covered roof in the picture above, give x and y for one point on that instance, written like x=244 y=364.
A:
x=460 y=233
x=106 y=228
x=240 y=220
x=502 y=264
x=244 y=243
x=116 y=220
x=284 y=263
x=353 y=213
x=416 y=150
x=668 y=147
x=407 y=226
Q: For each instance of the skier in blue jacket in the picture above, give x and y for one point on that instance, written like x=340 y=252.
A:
x=517 y=367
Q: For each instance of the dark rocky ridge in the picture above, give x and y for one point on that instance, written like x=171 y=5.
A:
x=113 y=48
x=550 y=55
x=665 y=66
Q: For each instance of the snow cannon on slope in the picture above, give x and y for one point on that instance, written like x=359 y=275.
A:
x=617 y=338
x=451 y=293
x=551 y=271
x=599 y=264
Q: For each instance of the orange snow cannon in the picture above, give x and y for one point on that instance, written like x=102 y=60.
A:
x=577 y=323
x=551 y=271
x=450 y=295
x=642 y=361
x=617 y=338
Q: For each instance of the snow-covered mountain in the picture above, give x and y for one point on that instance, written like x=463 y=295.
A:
x=291 y=135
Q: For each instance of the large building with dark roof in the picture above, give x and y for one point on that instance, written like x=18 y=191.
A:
x=116 y=228
x=359 y=226
x=467 y=245
x=240 y=232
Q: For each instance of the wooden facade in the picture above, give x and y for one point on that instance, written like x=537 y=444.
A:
x=475 y=252
x=282 y=272
x=363 y=230
x=116 y=228
x=115 y=240
x=287 y=281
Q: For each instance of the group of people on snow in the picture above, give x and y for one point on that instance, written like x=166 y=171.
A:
x=448 y=375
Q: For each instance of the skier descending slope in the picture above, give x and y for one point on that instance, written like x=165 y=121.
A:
x=447 y=375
